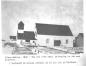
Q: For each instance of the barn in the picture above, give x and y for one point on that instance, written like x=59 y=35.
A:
x=54 y=35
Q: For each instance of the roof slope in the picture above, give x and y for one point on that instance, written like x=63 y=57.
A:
x=57 y=30
x=28 y=35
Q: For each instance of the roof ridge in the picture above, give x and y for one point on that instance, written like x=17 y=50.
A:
x=51 y=24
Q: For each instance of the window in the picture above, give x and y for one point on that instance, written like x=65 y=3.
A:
x=47 y=40
x=66 y=41
x=20 y=35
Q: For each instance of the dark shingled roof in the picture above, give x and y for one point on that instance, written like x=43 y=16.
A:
x=28 y=35
x=81 y=34
x=57 y=30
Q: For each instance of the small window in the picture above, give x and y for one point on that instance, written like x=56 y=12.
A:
x=66 y=41
x=47 y=40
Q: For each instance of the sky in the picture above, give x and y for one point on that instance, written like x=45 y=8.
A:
x=60 y=12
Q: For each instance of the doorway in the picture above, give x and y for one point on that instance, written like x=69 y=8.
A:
x=57 y=42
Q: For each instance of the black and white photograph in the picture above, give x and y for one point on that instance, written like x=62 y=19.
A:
x=32 y=27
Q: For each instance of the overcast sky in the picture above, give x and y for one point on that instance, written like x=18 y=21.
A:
x=60 y=12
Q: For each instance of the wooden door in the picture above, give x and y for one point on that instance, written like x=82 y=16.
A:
x=57 y=42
